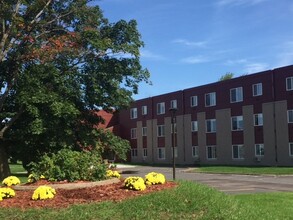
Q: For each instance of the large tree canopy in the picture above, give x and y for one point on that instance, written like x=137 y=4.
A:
x=61 y=60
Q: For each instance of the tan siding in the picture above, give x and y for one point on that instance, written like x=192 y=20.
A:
x=224 y=139
x=248 y=133
x=188 y=139
x=202 y=137
x=168 y=140
x=269 y=134
x=282 y=134
x=180 y=139
x=139 y=141
x=150 y=144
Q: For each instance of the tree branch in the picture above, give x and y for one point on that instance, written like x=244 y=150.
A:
x=11 y=121
x=41 y=12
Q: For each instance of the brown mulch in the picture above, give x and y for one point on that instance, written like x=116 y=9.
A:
x=64 y=197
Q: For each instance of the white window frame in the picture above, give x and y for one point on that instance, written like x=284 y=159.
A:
x=240 y=151
x=133 y=152
x=161 y=153
x=210 y=99
x=238 y=95
x=290 y=116
x=259 y=150
x=193 y=101
x=173 y=103
x=145 y=152
x=175 y=151
x=133 y=133
x=194 y=126
x=291 y=149
x=258 y=119
x=161 y=130
x=195 y=151
x=213 y=152
x=175 y=127
x=257 y=89
x=213 y=125
x=144 y=110
x=289 y=83
x=144 y=131
x=133 y=113
x=239 y=123
x=160 y=108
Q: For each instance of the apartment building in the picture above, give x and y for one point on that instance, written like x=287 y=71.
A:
x=247 y=120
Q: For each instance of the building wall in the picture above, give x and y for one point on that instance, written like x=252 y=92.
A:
x=275 y=134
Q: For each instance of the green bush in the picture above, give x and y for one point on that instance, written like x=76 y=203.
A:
x=70 y=165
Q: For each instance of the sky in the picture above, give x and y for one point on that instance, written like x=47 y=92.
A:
x=190 y=43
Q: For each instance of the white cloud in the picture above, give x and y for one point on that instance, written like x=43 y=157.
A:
x=190 y=43
x=286 y=56
x=235 y=62
x=195 y=59
x=150 y=55
x=255 y=67
x=238 y=2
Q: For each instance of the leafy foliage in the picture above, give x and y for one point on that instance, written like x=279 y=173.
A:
x=70 y=165
x=60 y=61
x=226 y=76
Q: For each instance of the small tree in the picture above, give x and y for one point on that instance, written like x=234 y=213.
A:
x=227 y=76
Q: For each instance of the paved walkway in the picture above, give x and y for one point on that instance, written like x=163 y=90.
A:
x=228 y=183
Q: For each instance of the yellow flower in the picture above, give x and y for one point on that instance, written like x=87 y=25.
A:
x=43 y=192
x=154 y=178
x=135 y=183
x=111 y=173
x=11 y=180
x=6 y=192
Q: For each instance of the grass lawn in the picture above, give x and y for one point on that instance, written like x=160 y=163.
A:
x=19 y=171
x=245 y=170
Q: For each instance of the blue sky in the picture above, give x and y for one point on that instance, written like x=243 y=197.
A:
x=190 y=43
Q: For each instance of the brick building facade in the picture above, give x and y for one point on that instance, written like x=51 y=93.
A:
x=247 y=120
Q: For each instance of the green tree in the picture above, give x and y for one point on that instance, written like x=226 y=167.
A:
x=59 y=62
x=226 y=76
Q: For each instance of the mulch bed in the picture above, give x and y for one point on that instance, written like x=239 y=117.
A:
x=64 y=197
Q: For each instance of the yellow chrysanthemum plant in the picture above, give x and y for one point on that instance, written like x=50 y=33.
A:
x=34 y=178
x=44 y=192
x=113 y=173
x=10 y=181
x=134 y=183
x=154 y=178
x=6 y=193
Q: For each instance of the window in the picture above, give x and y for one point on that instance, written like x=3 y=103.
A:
x=236 y=95
x=175 y=127
x=289 y=83
x=259 y=150
x=175 y=152
x=134 y=152
x=144 y=110
x=210 y=99
x=291 y=149
x=211 y=152
x=257 y=89
x=161 y=130
x=161 y=108
x=238 y=152
x=237 y=123
x=133 y=113
x=211 y=125
x=173 y=104
x=161 y=153
x=193 y=101
x=290 y=116
x=195 y=152
x=145 y=152
x=194 y=126
x=133 y=133
x=258 y=119
x=144 y=131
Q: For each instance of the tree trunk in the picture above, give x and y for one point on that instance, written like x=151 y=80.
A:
x=4 y=166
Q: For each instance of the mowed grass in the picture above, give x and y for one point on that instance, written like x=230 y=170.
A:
x=267 y=206
x=245 y=170
x=187 y=201
x=19 y=171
